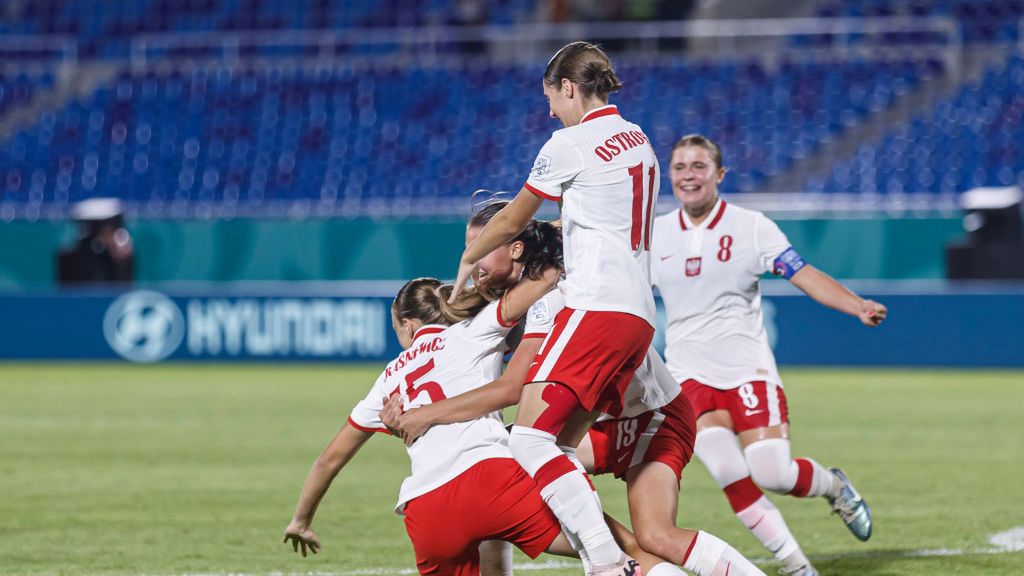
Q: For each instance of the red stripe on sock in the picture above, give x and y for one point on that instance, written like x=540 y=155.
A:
x=742 y=494
x=693 y=542
x=589 y=481
x=553 y=470
x=803 y=478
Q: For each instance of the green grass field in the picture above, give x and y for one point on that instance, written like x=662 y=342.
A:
x=168 y=470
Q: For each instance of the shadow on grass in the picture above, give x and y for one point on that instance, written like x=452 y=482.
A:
x=901 y=562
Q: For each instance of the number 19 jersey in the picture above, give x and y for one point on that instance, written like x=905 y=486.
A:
x=443 y=362
x=606 y=175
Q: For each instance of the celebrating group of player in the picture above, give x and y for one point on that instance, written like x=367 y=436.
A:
x=593 y=396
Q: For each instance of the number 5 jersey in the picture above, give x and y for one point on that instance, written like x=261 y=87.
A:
x=443 y=362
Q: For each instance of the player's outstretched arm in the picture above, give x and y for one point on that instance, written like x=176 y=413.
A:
x=829 y=292
x=501 y=393
x=503 y=227
x=335 y=456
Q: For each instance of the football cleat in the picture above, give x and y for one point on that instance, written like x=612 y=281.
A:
x=626 y=567
x=854 y=511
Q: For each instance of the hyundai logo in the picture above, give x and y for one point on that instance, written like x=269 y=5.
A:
x=144 y=326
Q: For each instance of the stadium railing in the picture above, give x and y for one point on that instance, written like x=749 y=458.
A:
x=851 y=37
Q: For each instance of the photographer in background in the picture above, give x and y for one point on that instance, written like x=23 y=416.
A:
x=103 y=252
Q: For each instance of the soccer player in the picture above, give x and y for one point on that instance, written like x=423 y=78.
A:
x=465 y=487
x=647 y=447
x=708 y=258
x=604 y=172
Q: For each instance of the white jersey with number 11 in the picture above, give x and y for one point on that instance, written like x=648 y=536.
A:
x=606 y=175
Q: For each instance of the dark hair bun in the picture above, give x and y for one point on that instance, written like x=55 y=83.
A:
x=584 y=64
x=607 y=82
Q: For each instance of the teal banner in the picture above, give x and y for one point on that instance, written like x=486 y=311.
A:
x=366 y=249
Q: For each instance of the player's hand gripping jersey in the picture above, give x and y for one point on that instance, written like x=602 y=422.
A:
x=652 y=386
x=605 y=174
x=443 y=362
x=708 y=276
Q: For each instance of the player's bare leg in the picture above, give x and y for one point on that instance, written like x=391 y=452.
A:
x=545 y=409
x=718 y=449
x=649 y=564
x=768 y=454
x=653 y=493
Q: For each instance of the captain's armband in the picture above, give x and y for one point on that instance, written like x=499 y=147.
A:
x=788 y=263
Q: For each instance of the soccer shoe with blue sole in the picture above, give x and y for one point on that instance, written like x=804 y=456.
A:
x=854 y=511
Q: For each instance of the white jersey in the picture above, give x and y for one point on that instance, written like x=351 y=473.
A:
x=708 y=276
x=606 y=175
x=443 y=362
x=652 y=386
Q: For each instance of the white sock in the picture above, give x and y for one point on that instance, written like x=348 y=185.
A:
x=765 y=522
x=720 y=452
x=773 y=468
x=495 y=558
x=567 y=492
x=711 y=556
x=570 y=453
x=578 y=547
x=665 y=569
x=795 y=561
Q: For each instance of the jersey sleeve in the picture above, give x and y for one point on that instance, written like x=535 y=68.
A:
x=558 y=162
x=487 y=327
x=541 y=317
x=771 y=242
x=366 y=414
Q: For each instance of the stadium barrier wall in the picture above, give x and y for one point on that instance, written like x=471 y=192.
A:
x=930 y=324
x=366 y=249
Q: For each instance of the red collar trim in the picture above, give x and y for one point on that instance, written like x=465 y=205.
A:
x=609 y=110
x=428 y=329
x=714 y=221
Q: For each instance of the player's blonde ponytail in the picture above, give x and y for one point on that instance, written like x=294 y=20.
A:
x=470 y=302
x=426 y=300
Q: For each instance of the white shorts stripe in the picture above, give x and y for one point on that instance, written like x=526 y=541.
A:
x=559 y=346
x=645 y=439
x=774 y=415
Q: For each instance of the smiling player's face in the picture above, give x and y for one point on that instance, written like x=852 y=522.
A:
x=695 y=178
x=498 y=269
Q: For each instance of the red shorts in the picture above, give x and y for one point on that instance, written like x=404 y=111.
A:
x=665 y=435
x=752 y=405
x=493 y=500
x=595 y=354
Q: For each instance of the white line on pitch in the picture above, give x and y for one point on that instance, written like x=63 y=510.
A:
x=1006 y=542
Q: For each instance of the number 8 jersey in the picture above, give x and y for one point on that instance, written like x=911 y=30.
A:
x=606 y=176
x=443 y=362
x=708 y=276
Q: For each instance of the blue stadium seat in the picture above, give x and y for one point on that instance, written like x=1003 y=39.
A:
x=357 y=136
